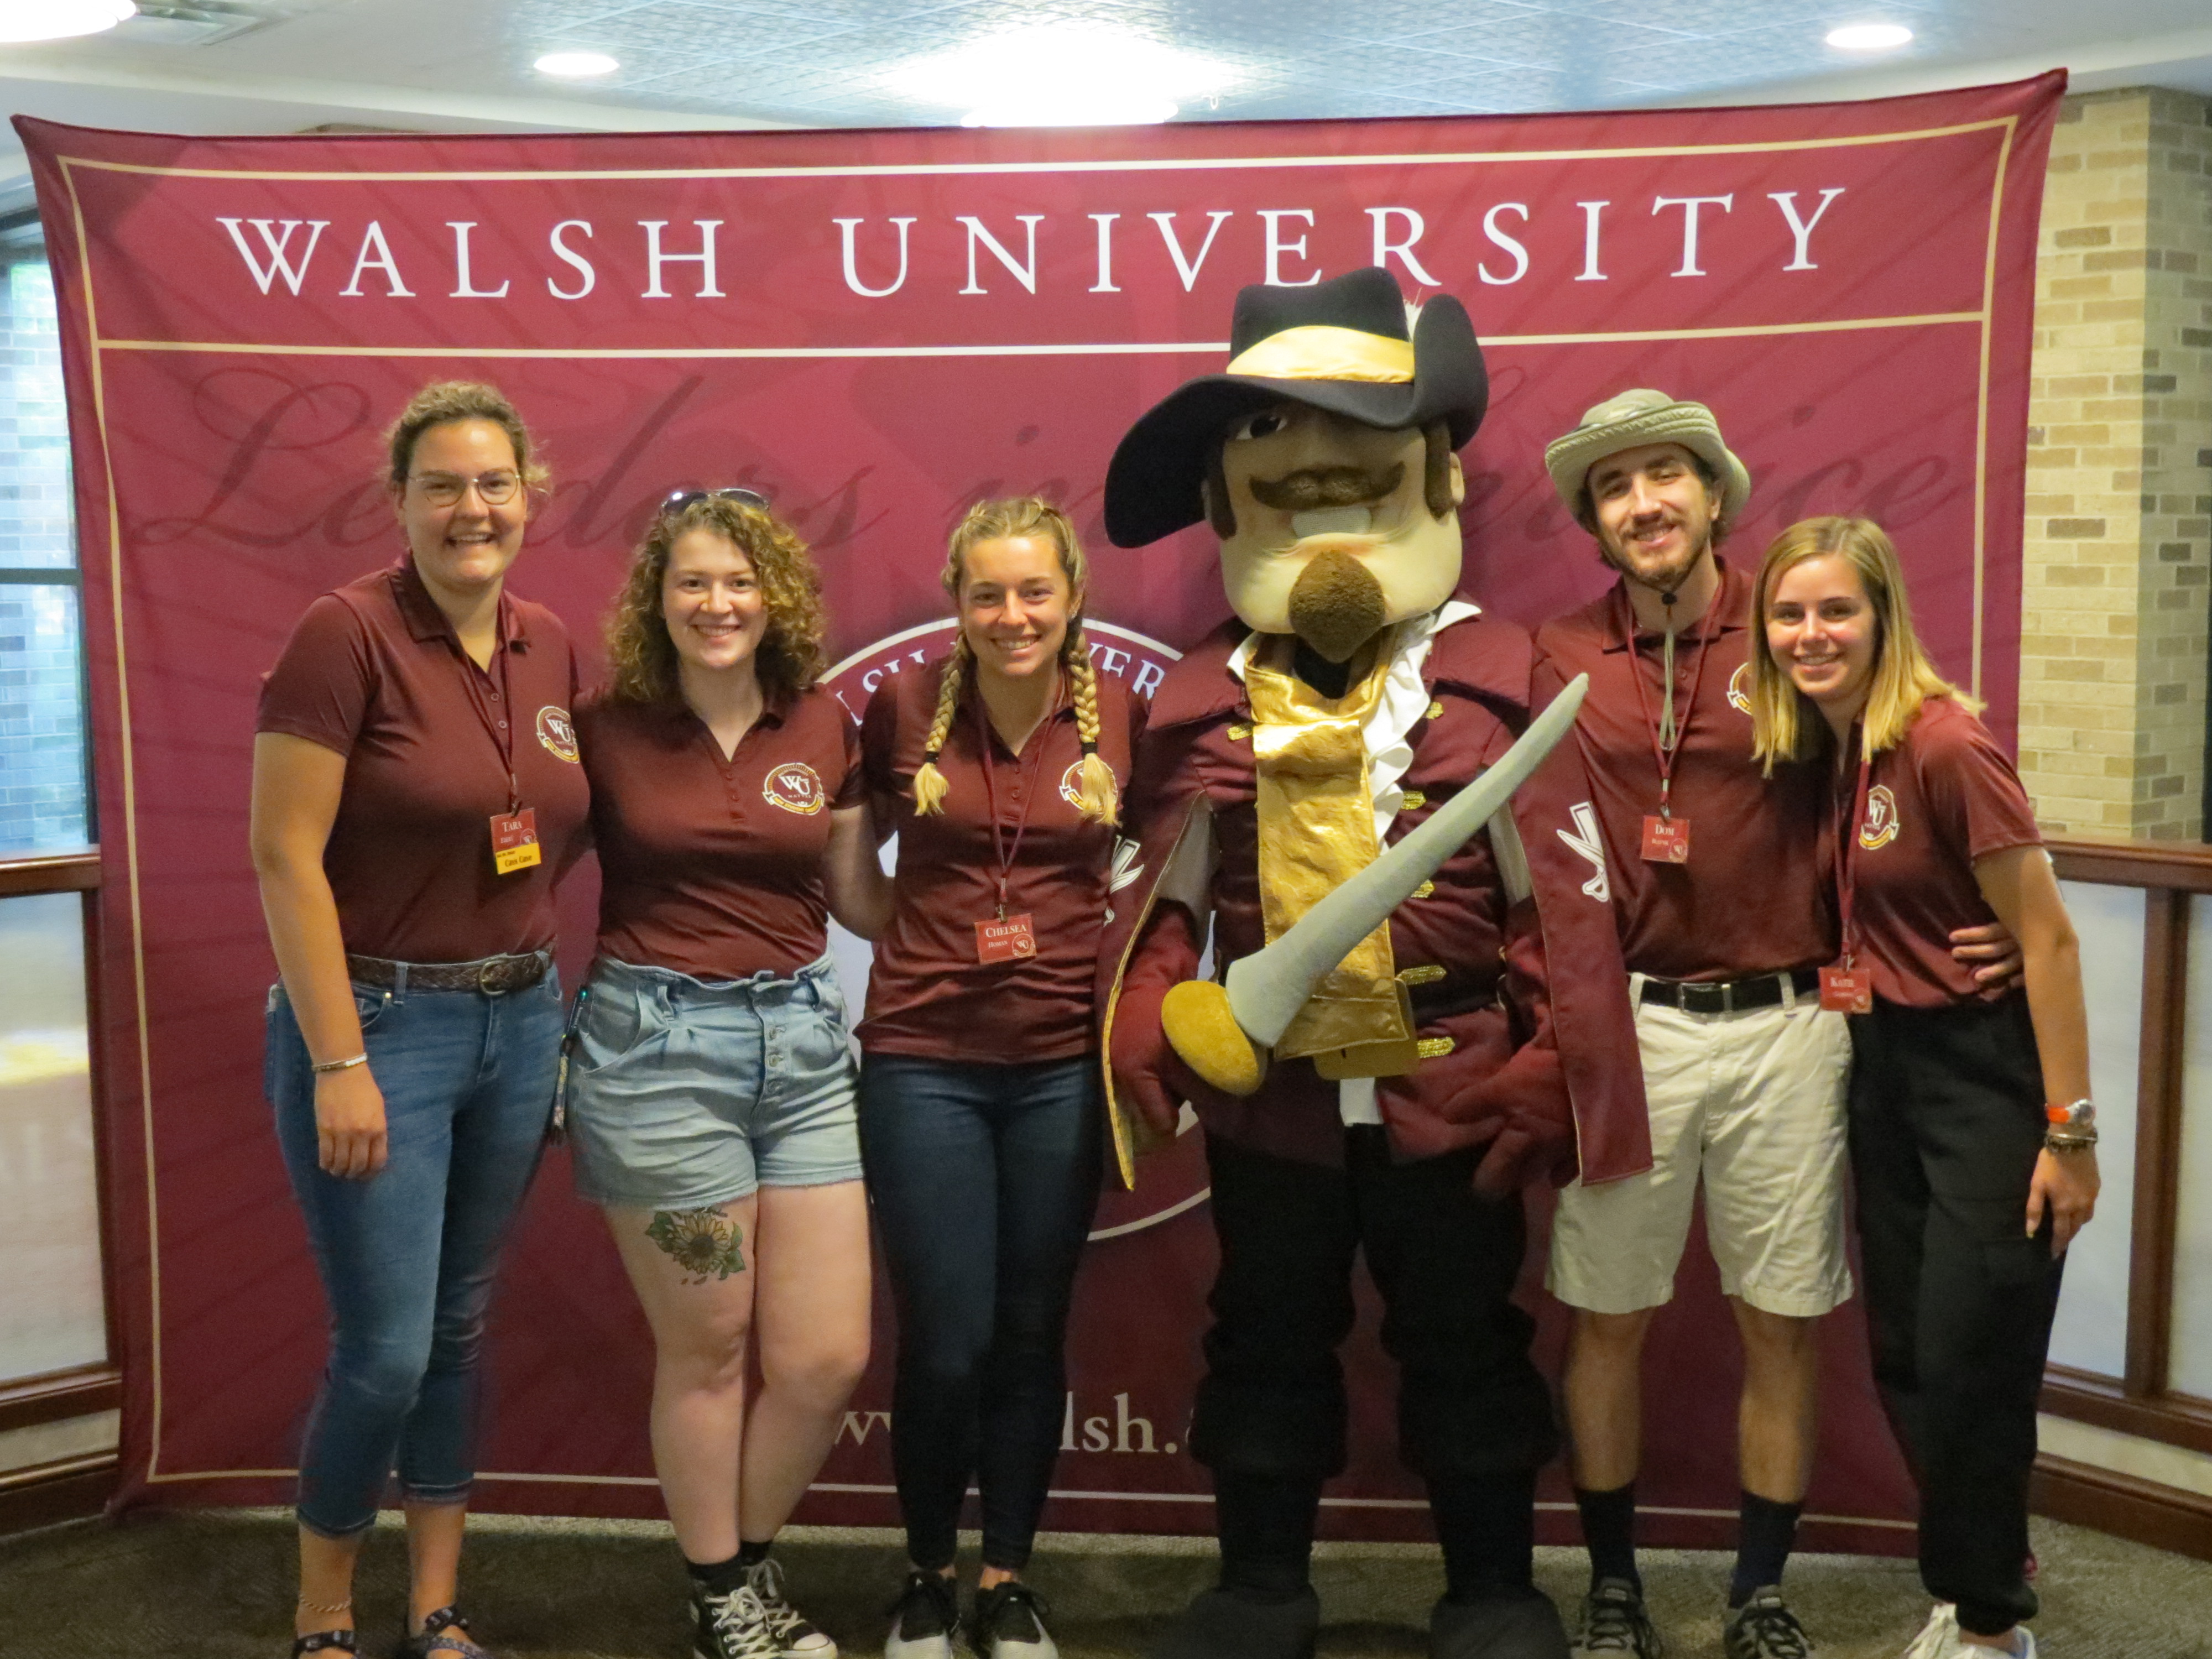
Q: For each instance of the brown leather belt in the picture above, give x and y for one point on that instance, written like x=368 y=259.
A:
x=1732 y=996
x=493 y=975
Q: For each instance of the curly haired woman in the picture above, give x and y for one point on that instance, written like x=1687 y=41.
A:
x=711 y=1085
x=979 y=1109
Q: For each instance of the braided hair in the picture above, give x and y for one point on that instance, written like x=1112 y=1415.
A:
x=1099 y=797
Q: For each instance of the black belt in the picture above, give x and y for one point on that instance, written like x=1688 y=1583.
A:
x=1728 y=996
x=493 y=975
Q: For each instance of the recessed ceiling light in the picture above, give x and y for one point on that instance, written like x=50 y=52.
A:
x=575 y=65
x=1870 y=37
x=1059 y=76
x=59 y=19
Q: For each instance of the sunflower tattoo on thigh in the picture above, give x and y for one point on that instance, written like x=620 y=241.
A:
x=704 y=1244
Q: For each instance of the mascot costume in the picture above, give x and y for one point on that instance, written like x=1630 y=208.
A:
x=1387 y=1052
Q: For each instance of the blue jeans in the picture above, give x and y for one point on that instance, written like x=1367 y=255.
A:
x=407 y=1257
x=984 y=1179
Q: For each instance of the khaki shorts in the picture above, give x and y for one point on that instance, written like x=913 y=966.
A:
x=1753 y=1102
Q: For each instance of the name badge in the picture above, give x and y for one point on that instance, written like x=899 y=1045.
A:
x=1666 y=841
x=514 y=841
x=1005 y=941
x=1847 y=990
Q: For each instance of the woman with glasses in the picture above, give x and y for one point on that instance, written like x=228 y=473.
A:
x=1000 y=766
x=710 y=1090
x=1973 y=1137
x=417 y=794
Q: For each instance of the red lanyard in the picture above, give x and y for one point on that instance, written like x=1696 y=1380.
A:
x=1041 y=740
x=1846 y=861
x=1662 y=752
x=500 y=733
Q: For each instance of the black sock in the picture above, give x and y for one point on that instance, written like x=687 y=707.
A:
x=1764 y=1537
x=1487 y=1527
x=1266 y=1523
x=1609 y=1533
x=751 y=1555
x=718 y=1578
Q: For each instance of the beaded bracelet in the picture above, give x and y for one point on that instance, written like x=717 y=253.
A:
x=322 y=1066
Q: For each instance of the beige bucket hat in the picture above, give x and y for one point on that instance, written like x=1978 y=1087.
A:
x=1644 y=416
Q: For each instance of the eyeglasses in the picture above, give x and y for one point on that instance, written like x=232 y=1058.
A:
x=677 y=500
x=445 y=490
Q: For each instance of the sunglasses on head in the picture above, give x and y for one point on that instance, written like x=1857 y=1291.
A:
x=677 y=500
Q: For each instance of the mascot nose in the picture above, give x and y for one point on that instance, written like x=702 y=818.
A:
x=1336 y=604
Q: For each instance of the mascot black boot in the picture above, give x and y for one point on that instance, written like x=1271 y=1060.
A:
x=1265 y=1606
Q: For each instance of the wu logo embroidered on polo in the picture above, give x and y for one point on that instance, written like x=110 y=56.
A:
x=1879 y=826
x=1739 y=690
x=796 y=787
x=557 y=733
x=1587 y=843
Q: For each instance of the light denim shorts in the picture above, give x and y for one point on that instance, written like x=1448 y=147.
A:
x=684 y=1095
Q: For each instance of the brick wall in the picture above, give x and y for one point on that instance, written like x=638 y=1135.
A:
x=2120 y=484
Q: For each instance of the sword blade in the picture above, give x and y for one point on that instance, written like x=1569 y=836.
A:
x=1268 y=988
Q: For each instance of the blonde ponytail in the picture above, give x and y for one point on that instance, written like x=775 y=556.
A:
x=930 y=787
x=1099 y=797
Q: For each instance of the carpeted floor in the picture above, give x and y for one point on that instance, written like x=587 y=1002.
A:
x=217 y=1585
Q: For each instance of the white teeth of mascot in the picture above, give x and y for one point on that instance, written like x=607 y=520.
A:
x=1333 y=521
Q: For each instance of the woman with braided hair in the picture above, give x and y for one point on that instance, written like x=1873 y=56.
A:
x=981 y=1126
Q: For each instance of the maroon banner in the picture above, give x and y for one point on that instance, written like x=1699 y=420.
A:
x=877 y=328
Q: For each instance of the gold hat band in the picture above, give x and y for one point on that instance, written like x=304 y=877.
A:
x=1321 y=351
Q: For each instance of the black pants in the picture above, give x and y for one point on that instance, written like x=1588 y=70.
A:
x=984 y=1178
x=1470 y=1403
x=1947 y=1120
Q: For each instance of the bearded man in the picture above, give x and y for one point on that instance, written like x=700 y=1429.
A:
x=1726 y=914
x=1478 y=1036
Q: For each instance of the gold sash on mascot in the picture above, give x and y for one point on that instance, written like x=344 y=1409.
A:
x=1316 y=821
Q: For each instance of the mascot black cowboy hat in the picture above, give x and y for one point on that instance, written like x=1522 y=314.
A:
x=1341 y=346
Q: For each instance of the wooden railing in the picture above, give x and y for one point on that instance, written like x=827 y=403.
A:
x=2140 y=1401
x=75 y=1485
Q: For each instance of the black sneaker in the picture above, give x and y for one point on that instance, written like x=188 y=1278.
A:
x=730 y=1625
x=923 y=1619
x=1008 y=1623
x=1763 y=1628
x=1614 y=1621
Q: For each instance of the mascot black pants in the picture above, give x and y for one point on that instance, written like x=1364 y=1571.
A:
x=1272 y=1402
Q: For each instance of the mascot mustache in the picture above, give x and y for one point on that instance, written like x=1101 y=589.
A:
x=1328 y=486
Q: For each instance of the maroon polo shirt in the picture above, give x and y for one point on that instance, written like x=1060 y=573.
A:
x=1944 y=797
x=375 y=672
x=1754 y=896
x=928 y=994
x=712 y=865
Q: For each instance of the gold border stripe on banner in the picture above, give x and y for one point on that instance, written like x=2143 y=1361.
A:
x=1104 y=348
x=940 y=169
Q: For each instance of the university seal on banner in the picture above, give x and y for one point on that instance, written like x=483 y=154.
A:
x=796 y=787
x=1175 y=1177
x=557 y=732
x=1879 y=826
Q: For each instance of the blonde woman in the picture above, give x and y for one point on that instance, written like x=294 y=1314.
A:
x=1971 y=1131
x=999 y=767
x=711 y=1085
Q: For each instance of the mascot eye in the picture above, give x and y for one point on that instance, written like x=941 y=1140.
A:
x=1265 y=424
